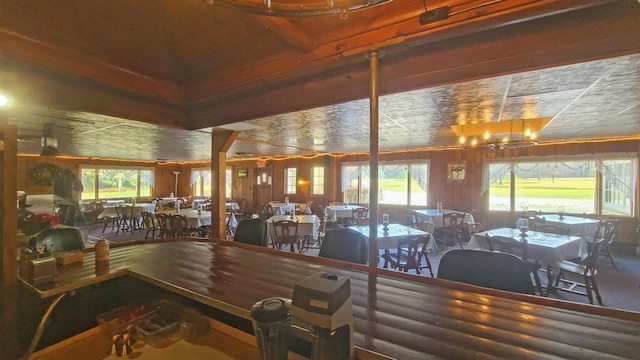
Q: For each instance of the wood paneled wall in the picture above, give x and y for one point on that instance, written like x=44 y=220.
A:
x=462 y=197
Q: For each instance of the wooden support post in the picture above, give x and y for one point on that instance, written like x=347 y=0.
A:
x=9 y=241
x=221 y=141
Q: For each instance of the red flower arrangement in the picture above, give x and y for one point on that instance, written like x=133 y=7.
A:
x=35 y=223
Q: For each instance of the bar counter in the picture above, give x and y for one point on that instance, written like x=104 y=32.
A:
x=399 y=315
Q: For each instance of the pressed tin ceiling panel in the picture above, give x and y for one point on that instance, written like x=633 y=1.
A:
x=176 y=63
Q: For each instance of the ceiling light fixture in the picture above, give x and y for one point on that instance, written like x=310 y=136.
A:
x=508 y=134
x=299 y=9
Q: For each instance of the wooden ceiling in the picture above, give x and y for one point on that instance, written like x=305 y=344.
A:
x=149 y=79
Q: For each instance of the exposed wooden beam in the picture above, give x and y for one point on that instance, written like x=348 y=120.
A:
x=221 y=141
x=62 y=59
x=288 y=32
x=545 y=42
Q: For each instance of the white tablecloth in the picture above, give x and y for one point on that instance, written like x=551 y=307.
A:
x=284 y=208
x=549 y=248
x=196 y=202
x=113 y=203
x=389 y=239
x=307 y=224
x=335 y=212
x=137 y=209
x=196 y=220
x=432 y=216
x=577 y=225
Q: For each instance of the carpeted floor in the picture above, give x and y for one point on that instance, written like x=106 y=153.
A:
x=619 y=286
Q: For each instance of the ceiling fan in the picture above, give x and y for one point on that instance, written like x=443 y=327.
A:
x=48 y=141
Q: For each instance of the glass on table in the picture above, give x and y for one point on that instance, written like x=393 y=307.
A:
x=385 y=220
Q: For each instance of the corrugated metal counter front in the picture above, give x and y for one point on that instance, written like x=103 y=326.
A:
x=398 y=315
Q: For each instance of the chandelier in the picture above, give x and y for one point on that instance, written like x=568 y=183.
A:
x=510 y=134
x=297 y=8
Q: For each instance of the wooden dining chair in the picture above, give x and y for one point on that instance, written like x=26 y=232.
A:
x=517 y=248
x=586 y=269
x=359 y=216
x=112 y=221
x=166 y=227
x=229 y=224
x=550 y=228
x=149 y=224
x=412 y=219
x=180 y=226
x=606 y=230
x=409 y=254
x=286 y=233
x=450 y=232
x=125 y=214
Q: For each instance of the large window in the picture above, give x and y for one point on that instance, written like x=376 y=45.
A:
x=317 y=178
x=596 y=185
x=399 y=183
x=290 y=180
x=116 y=182
x=201 y=182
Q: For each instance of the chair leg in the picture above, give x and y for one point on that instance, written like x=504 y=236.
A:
x=608 y=253
x=536 y=278
x=595 y=290
x=587 y=287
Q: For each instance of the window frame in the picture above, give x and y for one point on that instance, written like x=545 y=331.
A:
x=363 y=182
x=198 y=176
x=317 y=180
x=96 y=179
x=290 y=180
x=600 y=184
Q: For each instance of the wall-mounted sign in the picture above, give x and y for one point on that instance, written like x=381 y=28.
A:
x=456 y=172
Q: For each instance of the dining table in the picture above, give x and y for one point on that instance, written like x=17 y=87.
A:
x=549 y=248
x=283 y=208
x=197 y=219
x=335 y=212
x=434 y=216
x=308 y=225
x=112 y=203
x=577 y=225
x=138 y=208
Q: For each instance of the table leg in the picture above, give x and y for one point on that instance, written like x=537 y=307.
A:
x=550 y=279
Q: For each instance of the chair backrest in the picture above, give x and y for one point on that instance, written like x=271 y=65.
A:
x=359 y=216
x=489 y=269
x=606 y=230
x=453 y=219
x=165 y=222
x=411 y=250
x=179 y=224
x=550 y=228
x=147 y=220
x=252 y=231
x=345 y=245
x=124 y=211
x=509 y=246
x=286 y=231
x=412 y=219
x=591 y=262
x=267 y=211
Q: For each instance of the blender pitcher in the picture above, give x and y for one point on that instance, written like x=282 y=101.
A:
x=272 y=327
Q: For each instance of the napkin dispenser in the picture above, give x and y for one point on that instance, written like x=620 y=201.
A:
x=323 y=301
x=41 y=270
